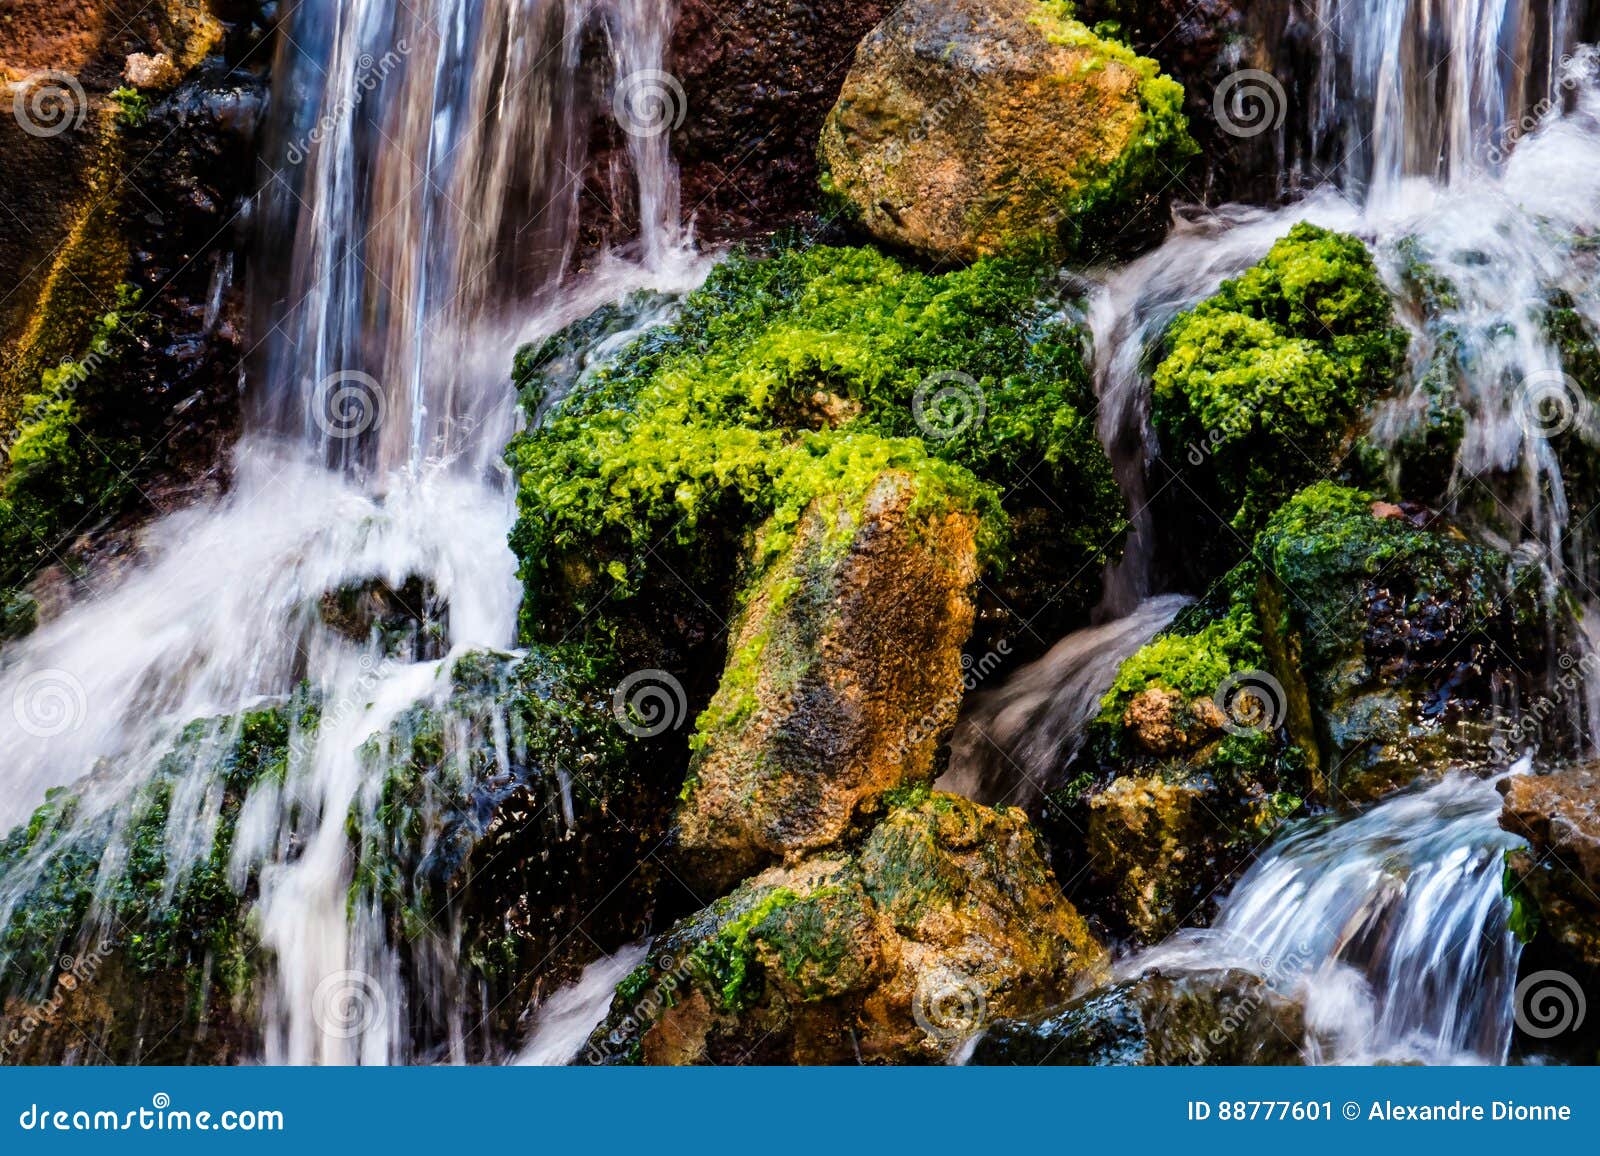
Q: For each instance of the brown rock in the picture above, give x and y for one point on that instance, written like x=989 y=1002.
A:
x=1559 y=815
x=844 y=673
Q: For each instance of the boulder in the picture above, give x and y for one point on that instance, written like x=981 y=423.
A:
x=1556 y=878
x=1163 y=1017
x=844 y=674
x=945 y=916
x=969 y=126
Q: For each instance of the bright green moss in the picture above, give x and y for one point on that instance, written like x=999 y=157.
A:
x=133 y=107
x=61 y=469
x=1268 y=375
x=1193 y=664
x=794 y=378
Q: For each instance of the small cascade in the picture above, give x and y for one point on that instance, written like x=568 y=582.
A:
x=568 y=1018
x=1013 y=743
x=1392 y=926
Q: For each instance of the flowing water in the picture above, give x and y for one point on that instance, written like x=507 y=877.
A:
x=429 y=160
x=1391 y=926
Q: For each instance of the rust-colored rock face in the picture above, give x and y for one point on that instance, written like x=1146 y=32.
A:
x=844 y=675
x=967 y=127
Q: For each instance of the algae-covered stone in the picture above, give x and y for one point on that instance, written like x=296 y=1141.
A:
x=1163 y=1017
x=1400 y=638
x=966 y=127
x=946 y=916
x=844 y=674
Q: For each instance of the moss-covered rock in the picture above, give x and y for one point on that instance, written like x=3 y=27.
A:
x=967 y=128
x=844 y=674
x=946 y=915
x=126 y=934
x=787 y=380
x=1163 y=1017
x=1264 y=381
x=1397 y=639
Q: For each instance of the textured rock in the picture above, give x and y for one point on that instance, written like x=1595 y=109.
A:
x=965 y=127
x=844 y=673
x=1559 y=815
x=947 y=915
x=1162 y=1017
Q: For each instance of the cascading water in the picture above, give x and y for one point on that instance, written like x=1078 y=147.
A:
x=431 y=156
x=1464 y=138
x=1392 y=927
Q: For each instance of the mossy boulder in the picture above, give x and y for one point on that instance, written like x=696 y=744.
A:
x=117 y=948
x=1555 y=879
x=1261 y=385
x=945 y=915
x=796 y=378
x=967 y=128
x=1397 y=639
x=844 y=674
x=1163 y=1017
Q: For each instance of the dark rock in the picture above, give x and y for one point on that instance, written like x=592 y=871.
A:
x=1161 y=1018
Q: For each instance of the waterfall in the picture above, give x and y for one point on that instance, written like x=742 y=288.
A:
x=427 y=164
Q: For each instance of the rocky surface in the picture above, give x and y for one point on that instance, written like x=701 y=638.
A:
x=966 y=128
x=945 y=915
x=1558 y=875
x=1161 y=1017
x=843 y=678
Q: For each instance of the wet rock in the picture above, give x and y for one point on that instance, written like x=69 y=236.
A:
x=945 y=916
x=1162 y=1017
x=1558 y=874
x=758 y=80
x=410 y=621
x=1395 y=644
x=1161 y=722
x=843 y=677
x=965 y=128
